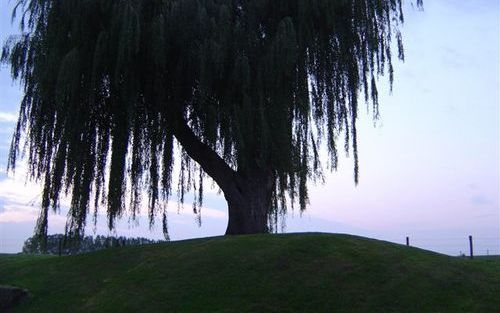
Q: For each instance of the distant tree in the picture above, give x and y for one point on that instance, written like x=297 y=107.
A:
x=249 y=89
x=53 y=244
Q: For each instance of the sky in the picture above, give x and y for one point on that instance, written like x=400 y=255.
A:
x=429 y=168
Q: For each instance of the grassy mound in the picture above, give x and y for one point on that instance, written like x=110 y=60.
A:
x=258 y=273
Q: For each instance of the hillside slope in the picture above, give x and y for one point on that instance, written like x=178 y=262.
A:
x=258 y=273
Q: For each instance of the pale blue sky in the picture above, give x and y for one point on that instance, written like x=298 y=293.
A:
x=429 y=169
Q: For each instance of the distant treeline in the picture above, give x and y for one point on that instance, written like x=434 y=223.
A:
x=59 y=244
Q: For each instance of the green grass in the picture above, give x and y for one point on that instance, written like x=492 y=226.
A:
x=258 y=273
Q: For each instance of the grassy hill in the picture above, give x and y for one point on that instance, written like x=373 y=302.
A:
x=258 y=273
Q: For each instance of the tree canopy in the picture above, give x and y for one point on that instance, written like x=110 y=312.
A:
x=111 y=85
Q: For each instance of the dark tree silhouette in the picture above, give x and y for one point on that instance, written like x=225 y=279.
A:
x=62 y=245
x=249 y=89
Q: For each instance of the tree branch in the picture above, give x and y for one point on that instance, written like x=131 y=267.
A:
x=205 y=156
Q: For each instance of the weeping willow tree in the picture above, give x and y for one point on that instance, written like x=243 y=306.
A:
x=248 y=90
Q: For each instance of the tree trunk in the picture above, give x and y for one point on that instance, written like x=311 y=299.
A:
x=249 y=203
x=248 y=193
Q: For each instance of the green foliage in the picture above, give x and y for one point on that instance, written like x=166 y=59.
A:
x=264 y=83
x=258 y=273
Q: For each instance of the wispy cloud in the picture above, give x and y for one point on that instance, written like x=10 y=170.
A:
x=20 y=202
x=186 y=209
x=8 y=117
x=18 y=213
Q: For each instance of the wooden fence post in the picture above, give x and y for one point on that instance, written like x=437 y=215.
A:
x=471 y=247
x=60 y=246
